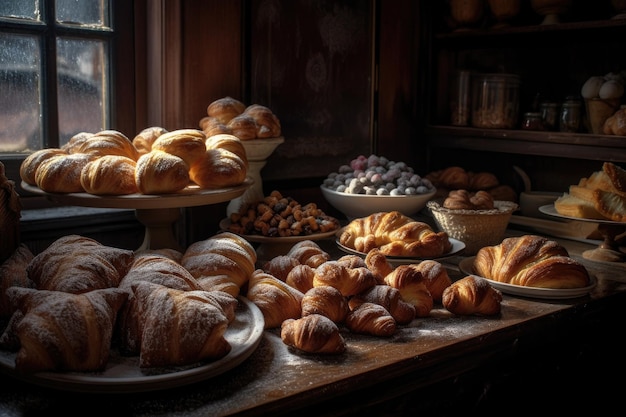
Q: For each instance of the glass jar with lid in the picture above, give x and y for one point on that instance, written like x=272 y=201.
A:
x=495 y=101
x=569 y=120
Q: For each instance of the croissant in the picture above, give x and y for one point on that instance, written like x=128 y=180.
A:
x=154 y=269
x=243 y=126
x=187 y=144
x=372 y=319
x=532 y=261
x=143 y=140
x=225 y=108
x=410 y=284
x=280 y=266
x=472 y=295
x=159 y=172
x=308 y=253
x=378 y=263
x=268 y=125
x=179 y=327
x=108 y=142
x=313 y=334
x=482 y=181
x=211 y=126
x=62 y=331
x=31 y=163
x=349 y=281
x=61 y=173
x=276 y=300
x=13 y=274
x=223 y=254
x=227 y=142
x=301 y=278
x=453 y=177
x=78 y=264
x=388 y=297
x=395 y=235
x=464 y=200
x=109 y=174
x=352 y=261
x=435 y=277
x=327 y=301
x=73 y=145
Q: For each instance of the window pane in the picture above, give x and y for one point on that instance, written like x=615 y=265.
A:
x=82 y=84
x=22 y=9
x=20 y=87
x=85 y=12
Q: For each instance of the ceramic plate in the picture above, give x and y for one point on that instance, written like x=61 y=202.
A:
x=467 y=267
x=457 y=246
x=225 y=223
x=123 y=375
x=551 y=211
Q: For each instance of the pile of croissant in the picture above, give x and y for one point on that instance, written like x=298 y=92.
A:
x=155 y=161
x=309 y=296
x=457 y=178
x=69 y=305
x=228 y=115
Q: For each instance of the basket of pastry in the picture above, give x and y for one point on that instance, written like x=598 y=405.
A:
x=474 y=218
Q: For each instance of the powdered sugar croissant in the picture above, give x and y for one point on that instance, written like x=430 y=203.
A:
x=472 y=295
x=313 y=334
x=276 y=300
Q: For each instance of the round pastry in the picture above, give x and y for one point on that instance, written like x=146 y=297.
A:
x=243 y=126
x=224 y=109
x=76 y=142
x=31 y=163
x=268 y=125
x=218 y=168
x=159 y=172
x=212 y=126
x=61 y=173
x=187 y=144
x=109 y=142
x=229 y=143
x=144 y=139
x=109 y=175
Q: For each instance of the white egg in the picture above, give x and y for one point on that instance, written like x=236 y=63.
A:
x=611 y=89
x=591 y=87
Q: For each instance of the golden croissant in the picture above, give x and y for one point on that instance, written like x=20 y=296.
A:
x=276 y=300
x=472 y=295
x=313 y=334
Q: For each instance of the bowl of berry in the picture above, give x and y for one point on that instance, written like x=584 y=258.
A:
x=375 y=184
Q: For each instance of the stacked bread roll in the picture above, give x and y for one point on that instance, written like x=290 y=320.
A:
x=229 y=115
x=155 y=161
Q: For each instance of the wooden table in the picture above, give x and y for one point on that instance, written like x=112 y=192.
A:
x=555 y=353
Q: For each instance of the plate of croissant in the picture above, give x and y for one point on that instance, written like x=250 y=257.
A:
x=531 y=266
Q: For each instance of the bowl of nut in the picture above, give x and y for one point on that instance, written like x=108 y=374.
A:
x=375 y=184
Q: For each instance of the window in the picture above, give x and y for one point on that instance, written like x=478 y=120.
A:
x=59 y=72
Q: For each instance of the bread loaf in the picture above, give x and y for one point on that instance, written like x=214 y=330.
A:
x=531 y=261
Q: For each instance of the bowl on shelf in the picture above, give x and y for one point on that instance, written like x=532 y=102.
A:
x=361 y=205
x=475 y=228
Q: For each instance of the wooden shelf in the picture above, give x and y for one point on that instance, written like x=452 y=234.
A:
x=556 y=144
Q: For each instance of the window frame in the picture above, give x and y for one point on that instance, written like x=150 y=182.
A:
x=122 y=78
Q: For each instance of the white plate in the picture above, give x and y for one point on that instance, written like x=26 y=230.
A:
x=123 y=375
x=467 y=267
x=457 y=246
x=551 y=211
x=225 y=223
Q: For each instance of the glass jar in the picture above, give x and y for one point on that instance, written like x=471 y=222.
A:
x=495 y=101
x=532 y=121
x=459 y=99
x=569 y=120
x=550 y=115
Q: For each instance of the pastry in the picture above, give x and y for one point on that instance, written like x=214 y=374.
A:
x=276 y=300
x=435 y=277
x=532 y=261
x=395 y=235
x=75 y=142
x=301 y=278
x=388 y=297
x=464 y=200
x=378 y=263
x=109 y=175
x=280 y=266
x=211 y=126
x=218 y=168
x=268 y=125
x=225 y=109
x=308 y=253
x=409 y=282
x=313 y=334
x=159 y=172
x=13 y=274
x=349 y=281
x=472 y=295
x=29 y=166
x=109 y=142
x=143 y=140
x=243 y=126
x=327 y=301
x=371 y=319
x=61 y=173
x=188 y=144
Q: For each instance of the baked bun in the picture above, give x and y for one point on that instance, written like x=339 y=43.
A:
x=224 y=109
x=159 y=172
x=143 y=140
x=109 y=175
x=31 y=163
x=109 y=142
x=61 y=173
x=187 y=144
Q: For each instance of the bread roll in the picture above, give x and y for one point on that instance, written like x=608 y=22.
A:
x=224 y=109
x=143 y=140
x=109 y=174
x=187 y=144
x=31 y=163
x=61 y=173
x=159 y=172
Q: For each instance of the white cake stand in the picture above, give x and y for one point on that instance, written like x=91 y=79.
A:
x=608 y=250
x=157 y=213
x=257 y=152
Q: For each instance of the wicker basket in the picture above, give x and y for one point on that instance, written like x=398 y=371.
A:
x=475 y=228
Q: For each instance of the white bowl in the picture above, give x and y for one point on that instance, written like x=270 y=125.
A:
x=362 y=205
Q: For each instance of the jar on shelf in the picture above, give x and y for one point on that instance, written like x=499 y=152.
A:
x=532 y=121
x=459 y=98
x=550 y=115
x=569 y=120
x=495 y=101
